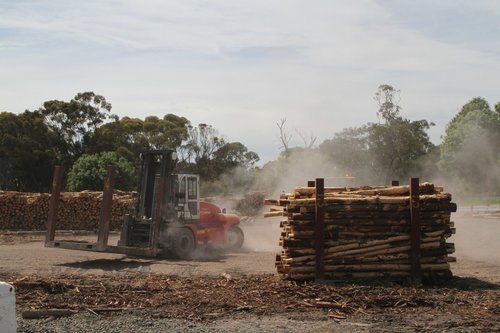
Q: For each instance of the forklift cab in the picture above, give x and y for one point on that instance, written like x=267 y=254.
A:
x=187 y=196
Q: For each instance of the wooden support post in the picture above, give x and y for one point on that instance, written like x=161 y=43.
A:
x=319 y=228
x=416 y=269
x=54 y=203
x=395 y=183
x=158 y=200
x=107 y=202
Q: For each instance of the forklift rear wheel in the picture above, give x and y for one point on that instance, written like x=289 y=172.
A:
x=235 y=238
x=183 y=243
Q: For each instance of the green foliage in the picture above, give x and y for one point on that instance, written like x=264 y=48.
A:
x=209 y=155
x=387 y=99
x=129 y=136
x=349 y=152
x=79 y=135
x=89 y=172
x=470 y=154
x=27 y=152
x=396 y=145
x=75 y=121
x=381 y=151
x=232 y=155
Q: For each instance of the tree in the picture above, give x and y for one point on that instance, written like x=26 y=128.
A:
x=349 y=152
x=197 y=153
x=75 y=121
x=284 y=136
x=27 y=152
x=232 y=155
x=396 y=145
x=285 y=139
x=129 y=136
x=89 y=172
x=168 y=132
x=208 y=154
x=382 y=151
x=470 y=154
x=388 y=100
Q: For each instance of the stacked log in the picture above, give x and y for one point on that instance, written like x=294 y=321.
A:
x=366 y=233
x=77 y=210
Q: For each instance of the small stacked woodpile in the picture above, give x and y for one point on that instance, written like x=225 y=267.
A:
x=365 y=233
x=77 y=210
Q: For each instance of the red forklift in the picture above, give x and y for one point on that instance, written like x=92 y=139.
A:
x=169 y=219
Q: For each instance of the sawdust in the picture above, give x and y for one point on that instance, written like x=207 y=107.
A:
x=208 y=297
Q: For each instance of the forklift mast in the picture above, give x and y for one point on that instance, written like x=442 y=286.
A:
x=155 y=163
x=181 y=192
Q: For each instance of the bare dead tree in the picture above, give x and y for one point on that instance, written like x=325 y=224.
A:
x=284 y=136
x=308 y=142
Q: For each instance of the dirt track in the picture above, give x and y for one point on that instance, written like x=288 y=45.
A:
x=26 y=254
x=238 y=292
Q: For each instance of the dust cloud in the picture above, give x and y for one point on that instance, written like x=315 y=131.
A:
x=476 y=238
x=282 y=176
x=474 y=175
x=473 y=170
x=262 y=234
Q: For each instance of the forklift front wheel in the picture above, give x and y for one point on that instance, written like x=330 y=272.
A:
x=235 y=238
x=183 y=244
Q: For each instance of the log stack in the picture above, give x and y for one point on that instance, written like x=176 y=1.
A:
x=77 y=210
x=366 y=233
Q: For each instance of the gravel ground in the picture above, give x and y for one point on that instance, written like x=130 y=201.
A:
x=145 y=322
x=316 y=322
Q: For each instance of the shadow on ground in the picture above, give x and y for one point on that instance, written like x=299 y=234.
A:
x=109 y=264
x=128 y=262
x=471 y=283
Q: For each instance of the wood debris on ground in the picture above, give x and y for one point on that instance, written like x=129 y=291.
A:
x=194 y=298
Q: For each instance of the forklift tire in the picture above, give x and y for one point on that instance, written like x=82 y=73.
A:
x=235 y=238
x=183 y=244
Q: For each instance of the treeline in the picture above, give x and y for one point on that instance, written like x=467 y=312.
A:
x=84 y=136
x=467 y=160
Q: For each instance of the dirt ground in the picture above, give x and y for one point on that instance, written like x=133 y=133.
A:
x=238 y=292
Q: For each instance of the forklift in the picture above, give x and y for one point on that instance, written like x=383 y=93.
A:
x=170 y=220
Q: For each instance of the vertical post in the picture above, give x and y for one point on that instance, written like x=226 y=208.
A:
x=107 y=202
x=311 y=183
x=395 y=183
x=319 y=228
x=416 y=269
x=54 y=203
x=159 y=193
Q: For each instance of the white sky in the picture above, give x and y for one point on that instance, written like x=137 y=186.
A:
x=241 y=66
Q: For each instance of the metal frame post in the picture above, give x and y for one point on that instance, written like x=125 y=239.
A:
x=416 y=268
x=107 y=203
x=159 y=193
x=54 y=203
x=319 y=228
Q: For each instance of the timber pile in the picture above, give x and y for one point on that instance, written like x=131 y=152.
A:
x=77 y=210
x=366 y=233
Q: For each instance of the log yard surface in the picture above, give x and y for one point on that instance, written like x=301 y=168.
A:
x=240 y=292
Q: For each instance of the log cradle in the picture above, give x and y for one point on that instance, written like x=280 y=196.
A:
x=370 y=232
